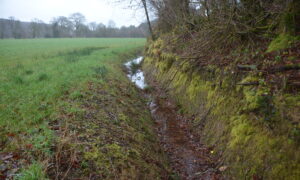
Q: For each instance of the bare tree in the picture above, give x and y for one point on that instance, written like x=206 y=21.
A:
x=78 y=21
x=92 y=26
x=148 y=19
x=36 y=28
x=137 y=4
x=111 y=24
x=62 y=27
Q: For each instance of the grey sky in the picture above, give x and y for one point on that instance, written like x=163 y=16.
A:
x=94 y=10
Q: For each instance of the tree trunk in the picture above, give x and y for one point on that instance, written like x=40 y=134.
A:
x=148 y=19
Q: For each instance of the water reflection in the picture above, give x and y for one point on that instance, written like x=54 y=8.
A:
x=136 y=76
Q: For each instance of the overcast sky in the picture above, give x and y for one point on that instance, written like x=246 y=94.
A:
x=93 y=10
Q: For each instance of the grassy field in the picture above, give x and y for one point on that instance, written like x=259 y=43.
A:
x=35 y=73
x=39 y=79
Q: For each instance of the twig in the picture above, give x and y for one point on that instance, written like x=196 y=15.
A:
x=286 y=68
x=249 y=83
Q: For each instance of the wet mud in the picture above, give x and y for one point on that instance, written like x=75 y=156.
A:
x=189 y=159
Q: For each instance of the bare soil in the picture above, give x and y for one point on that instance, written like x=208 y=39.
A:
x=188 y=157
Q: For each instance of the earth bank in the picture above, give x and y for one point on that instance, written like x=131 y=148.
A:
x=234 y=110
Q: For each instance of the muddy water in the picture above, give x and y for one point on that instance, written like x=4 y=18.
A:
x=189 y=158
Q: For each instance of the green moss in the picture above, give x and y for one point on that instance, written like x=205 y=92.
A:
x=232 y=117
x=283 y=41
x=114 y=160
x=252 y=97
x=108 y=156
x=158 y=44
x=258 y=100
x=196 y=87
x=292 y=58
x=256 y=97
x=180 y=80
x=241 y=131
x=292 y=100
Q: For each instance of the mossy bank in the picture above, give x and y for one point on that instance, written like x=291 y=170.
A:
x=251 y=126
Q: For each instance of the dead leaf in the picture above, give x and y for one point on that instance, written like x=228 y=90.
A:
x=223 y=168
x=9 y=156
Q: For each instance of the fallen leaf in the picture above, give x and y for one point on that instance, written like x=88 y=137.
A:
x=28 y=146
x=7 y=157
x=223 y=168
x=11 y=134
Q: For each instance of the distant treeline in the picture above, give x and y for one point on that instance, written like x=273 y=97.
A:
x=63 y=27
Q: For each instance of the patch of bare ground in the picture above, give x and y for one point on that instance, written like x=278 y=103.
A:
x=189 y=158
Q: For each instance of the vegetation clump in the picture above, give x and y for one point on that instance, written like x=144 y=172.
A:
x=233 y=67
x=283 y=41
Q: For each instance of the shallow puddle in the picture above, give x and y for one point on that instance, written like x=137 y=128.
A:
x=136 y=76
x=189 y=159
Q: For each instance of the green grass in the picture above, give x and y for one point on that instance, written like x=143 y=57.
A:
x=35 y=76
x=34 y=172
x=34 y=73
